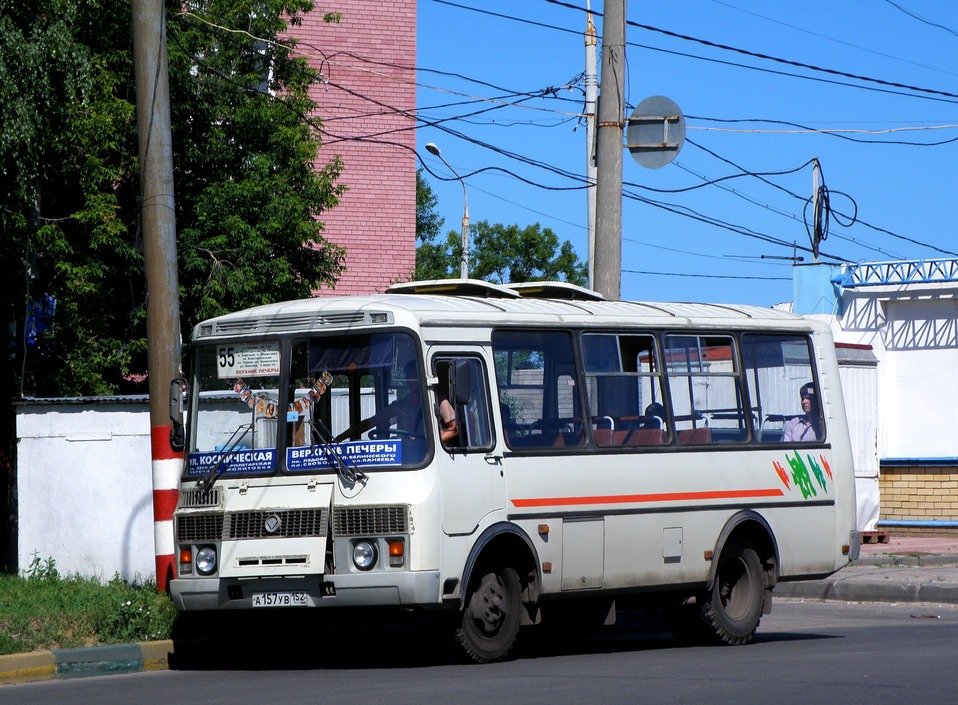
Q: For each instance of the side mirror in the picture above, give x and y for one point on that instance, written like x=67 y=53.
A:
x=462 y=390
x=178 y=389
x=455 y=378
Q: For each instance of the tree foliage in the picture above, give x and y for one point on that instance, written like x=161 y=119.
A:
x=241 y=107
x=430 y=255
x=508 y=253
x=68 y=153
x=246 y=192
x=498 y=253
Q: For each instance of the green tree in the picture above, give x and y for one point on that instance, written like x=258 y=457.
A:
x=247 y=187
x=246 y=191
x=430 y=254
x=502 y=254
x=507 y=253
x=67 y=150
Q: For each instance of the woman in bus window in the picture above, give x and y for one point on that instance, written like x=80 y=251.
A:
x=808 y=426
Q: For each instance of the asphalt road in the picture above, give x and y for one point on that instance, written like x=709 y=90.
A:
x=805 y=653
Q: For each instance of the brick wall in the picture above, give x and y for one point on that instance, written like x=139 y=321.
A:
x=919 y=493
x=368 y=60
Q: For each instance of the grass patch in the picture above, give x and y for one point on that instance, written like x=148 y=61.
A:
x=42 y=609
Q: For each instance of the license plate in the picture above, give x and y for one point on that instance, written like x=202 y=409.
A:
x=280 y=599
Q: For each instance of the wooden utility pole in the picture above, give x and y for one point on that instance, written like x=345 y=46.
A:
x=158 y=224
x=608 y=206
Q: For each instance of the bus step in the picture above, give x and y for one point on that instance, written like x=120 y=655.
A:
x=875 y=537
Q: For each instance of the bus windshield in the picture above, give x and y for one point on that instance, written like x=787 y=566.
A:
x=235 y=409
x=356 y=399
x=351 y=402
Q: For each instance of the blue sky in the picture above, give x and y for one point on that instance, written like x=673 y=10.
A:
x=743 y=114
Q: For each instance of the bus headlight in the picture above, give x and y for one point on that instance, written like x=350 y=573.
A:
x=205 y=560
x=364 y=555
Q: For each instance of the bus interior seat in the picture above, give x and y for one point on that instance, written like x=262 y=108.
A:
x=647 y=437
x=695 y=436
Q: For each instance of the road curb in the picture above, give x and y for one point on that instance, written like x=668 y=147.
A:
x=867 y=591
x=84 y=662
x=26 y=668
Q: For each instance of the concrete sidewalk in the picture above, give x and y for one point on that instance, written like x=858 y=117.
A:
x=905 y=569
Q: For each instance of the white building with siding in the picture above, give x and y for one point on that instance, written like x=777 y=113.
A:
x=906 y=312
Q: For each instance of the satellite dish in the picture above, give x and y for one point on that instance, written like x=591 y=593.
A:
x=656 y=132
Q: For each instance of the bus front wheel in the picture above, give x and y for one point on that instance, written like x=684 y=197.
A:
x=490 y=620
x=733 y=607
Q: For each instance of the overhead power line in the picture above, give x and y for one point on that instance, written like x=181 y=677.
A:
x=922 y=19
x=581 y=181
x=704 y=276
x=765 y=57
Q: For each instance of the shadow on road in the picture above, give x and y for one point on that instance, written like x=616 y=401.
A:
x=285 y=640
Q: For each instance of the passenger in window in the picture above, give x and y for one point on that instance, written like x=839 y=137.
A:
x=448 y=425
x=654 y=415
x=808 y=426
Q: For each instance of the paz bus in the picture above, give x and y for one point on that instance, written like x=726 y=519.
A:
x=607 y=455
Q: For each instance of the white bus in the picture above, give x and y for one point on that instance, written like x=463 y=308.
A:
x=606 y=454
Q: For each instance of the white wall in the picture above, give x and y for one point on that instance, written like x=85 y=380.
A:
x=859 y=374
x=84 y=487
x=921 y=356
x=913 y=330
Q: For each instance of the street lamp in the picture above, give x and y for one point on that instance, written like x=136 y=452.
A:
x=464 y=260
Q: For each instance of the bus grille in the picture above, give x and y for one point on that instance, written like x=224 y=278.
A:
x=289 y=322
x=251 y=525
x=293 y=522
x=195 y=499
x=370 y=521
x=199 y=527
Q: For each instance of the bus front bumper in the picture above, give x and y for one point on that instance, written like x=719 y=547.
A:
x=392 y=589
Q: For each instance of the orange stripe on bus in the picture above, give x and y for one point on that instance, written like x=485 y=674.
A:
x=643 y=498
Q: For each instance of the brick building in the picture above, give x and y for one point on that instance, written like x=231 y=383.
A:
x=367 y=108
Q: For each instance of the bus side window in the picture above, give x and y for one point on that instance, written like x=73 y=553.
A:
x=623 y=389
x=536 y=379
x=705 y=385
x=778 y=368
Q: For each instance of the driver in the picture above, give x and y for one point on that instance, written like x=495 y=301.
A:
x=405 y=412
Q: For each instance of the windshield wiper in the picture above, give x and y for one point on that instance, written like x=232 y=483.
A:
x=226 y=454
x=346 y=469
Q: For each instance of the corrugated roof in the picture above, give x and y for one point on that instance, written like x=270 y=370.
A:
x=84 y=401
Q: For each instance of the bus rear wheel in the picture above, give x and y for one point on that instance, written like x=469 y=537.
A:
x=733 y=608
x=491 y=618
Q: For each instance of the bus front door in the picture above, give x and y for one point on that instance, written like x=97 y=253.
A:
x=470 y=464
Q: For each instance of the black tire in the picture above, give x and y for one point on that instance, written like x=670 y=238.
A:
x=733 y=608
x=491 y=617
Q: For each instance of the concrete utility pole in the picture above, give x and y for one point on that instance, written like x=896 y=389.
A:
x=159 y=255
x=608 y=198
x=591 y=95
